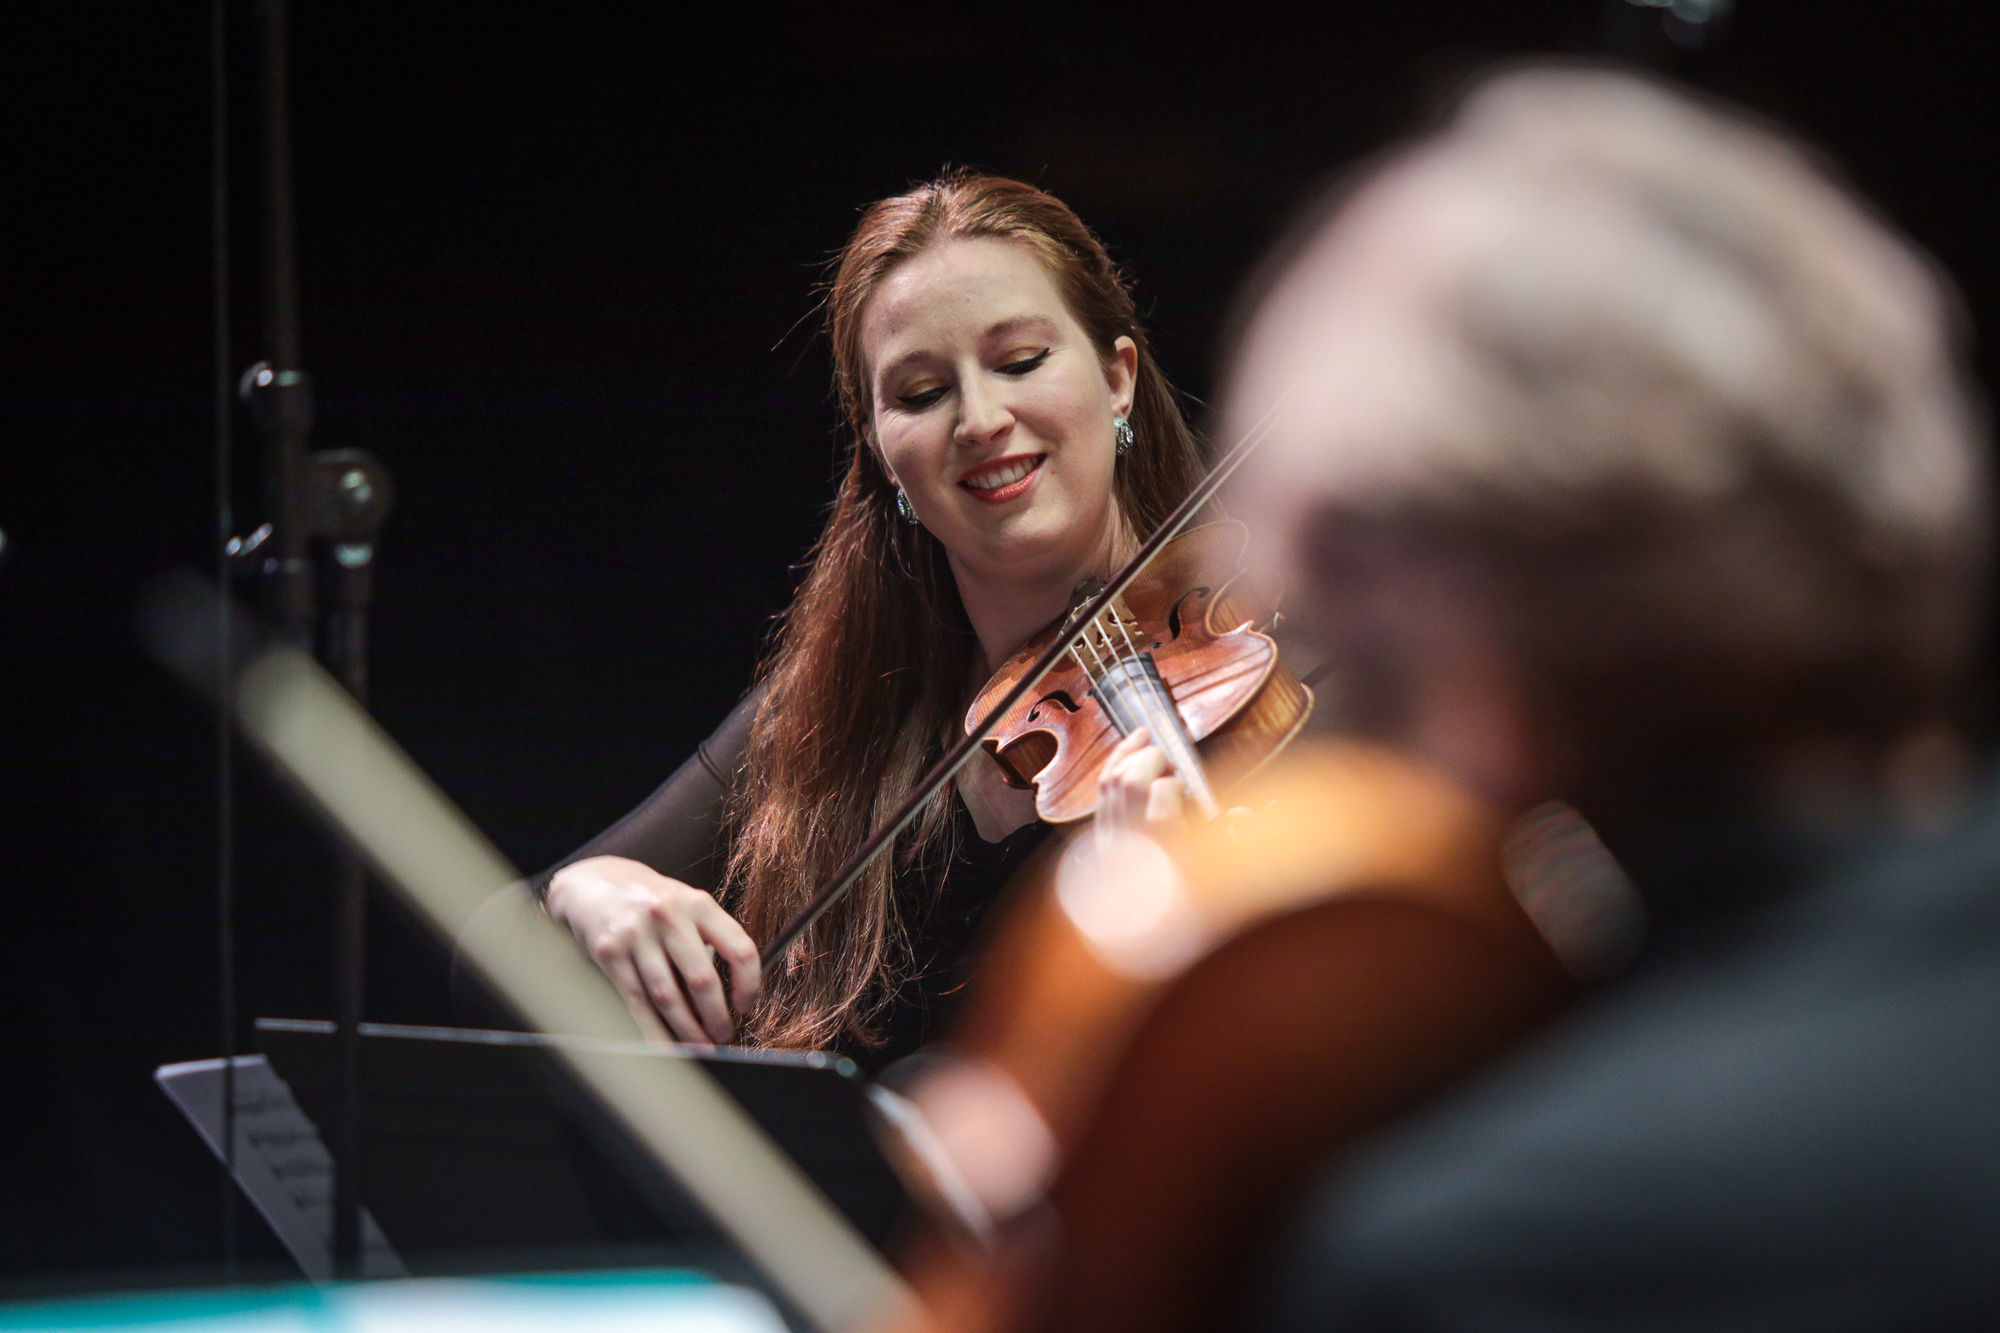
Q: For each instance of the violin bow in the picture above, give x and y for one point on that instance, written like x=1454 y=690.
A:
x=960 y=754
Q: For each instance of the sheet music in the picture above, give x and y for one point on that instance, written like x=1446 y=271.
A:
x=281 y=1163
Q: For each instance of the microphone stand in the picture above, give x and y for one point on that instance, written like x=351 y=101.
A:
x=324 y=504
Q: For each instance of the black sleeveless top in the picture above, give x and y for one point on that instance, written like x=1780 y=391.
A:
x=677 y=830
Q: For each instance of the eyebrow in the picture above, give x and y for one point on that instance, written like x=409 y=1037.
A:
x=1040 y=324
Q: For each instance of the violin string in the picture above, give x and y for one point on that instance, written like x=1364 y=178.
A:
x=1155 y=716
x=1108 y=651
x=1103 y=669
x=1095 y=675
x=1094 y=670
x=1082 y=666
x=1132 y=648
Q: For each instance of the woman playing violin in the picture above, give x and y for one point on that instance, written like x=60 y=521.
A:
x=1012 y=438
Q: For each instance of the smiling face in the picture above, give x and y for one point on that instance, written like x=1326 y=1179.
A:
x=992 y=408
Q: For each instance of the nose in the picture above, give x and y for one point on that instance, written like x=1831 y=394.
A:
x=983 y=415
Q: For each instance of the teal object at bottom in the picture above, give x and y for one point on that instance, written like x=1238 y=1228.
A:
x=667 y=1300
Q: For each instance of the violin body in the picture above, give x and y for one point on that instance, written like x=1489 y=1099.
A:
x=1206 y=629
x=1194 y=1031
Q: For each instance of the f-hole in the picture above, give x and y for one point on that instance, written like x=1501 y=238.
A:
x=1060 y=698
x=1174 y=612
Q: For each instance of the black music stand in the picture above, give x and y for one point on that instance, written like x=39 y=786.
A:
x=478 y=1155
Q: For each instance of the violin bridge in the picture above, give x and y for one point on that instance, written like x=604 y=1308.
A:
x=1110 y=634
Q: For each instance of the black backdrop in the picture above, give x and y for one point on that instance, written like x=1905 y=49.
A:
x=558 y=273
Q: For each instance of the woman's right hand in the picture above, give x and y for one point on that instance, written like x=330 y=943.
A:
x=658 y=940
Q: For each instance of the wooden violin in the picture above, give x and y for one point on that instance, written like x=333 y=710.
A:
x=1184 y=652
x=1082 y=621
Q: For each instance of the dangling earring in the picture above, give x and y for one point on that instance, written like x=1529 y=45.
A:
x=1122 y=437
x=905 y=508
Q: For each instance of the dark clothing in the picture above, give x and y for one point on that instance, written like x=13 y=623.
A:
x=1788 y=1116
x=677 y=830
x=948 y=919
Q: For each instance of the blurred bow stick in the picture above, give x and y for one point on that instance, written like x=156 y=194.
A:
x=374 y=796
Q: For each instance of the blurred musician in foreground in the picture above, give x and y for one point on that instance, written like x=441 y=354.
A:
x=1631 y=464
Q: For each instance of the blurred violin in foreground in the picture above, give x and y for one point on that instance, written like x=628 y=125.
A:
x=1168 y=1034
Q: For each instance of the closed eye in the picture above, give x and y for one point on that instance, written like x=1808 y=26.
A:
x=923 y=398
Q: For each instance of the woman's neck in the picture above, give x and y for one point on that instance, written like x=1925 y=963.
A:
x=1006 y=611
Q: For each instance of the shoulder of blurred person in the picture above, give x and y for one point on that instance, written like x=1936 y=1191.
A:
x=1784 y=1117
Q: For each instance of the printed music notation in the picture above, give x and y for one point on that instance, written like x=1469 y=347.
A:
x=281 y=1163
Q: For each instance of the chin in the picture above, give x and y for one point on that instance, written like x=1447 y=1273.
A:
x=1041 y=543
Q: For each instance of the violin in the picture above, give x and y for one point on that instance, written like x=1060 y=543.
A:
x=1082 y=622
x=1171 y=1031
x=1185 y=652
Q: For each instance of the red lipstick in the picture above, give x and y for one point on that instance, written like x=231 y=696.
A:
x=1002 y=467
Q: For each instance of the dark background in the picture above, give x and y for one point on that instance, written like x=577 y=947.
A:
x=559 y=273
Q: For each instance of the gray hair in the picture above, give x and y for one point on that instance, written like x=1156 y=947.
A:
x=1687 y=406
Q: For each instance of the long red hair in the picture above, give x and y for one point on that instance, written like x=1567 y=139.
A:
x=871 y=668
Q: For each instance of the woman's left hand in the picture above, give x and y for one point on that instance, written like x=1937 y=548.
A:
x=1137 y=788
